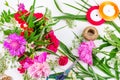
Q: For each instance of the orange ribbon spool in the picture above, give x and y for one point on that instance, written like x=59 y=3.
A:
x=103 y=14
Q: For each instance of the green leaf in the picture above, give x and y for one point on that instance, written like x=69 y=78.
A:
x=113 y=52
x=103 y=46
x=16 y=30
x=115 y=38
x=72 y=17
x=46 y=50
x=32 y=34
x=112 y=42
x=114 y=24
x=7 y=32
x=6 y=3
x=82 y=5
x=95 y=76
x=31 y=23
x=41 y=42
x=86 y=3
x=30 y=18
x=102 y=66
x=26 y=34
x=21 y=58
x=36 y=37
x=75 y=7
x=65 y=49
x=56 y=4
x=116 y=72
x=6 y=16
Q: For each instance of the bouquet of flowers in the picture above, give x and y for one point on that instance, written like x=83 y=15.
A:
x=30 y=43
x=29 y=39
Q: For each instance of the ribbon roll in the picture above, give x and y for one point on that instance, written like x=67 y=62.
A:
x=93 y=16
x=108 y=10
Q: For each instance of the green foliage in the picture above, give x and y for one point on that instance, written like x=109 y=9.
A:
x=116 y=72
x=3 y=65
x=113 y=52
x=21 y=58
x=104 y=45
x=6 y=3
x=30 y=18
x=32 y=37
x=6 y=16
x=9 y=31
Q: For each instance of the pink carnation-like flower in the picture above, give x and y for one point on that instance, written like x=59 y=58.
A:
x=26 y=63
x=15 y=44
x=54 y=42
x=85 y=52
x=21 y=7
x=41 y=58
x=63 y=60
x=38 y=15
x=38 y=70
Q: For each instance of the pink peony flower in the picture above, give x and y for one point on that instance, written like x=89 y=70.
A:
x=38 y=70
x=54 y=42
x=41 y=58
x=85 y=52
x=15 y=44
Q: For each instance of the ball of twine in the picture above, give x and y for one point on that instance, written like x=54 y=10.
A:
x=90 y=33
x=5 y=77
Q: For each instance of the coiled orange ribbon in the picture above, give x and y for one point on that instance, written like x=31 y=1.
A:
x=104 y=15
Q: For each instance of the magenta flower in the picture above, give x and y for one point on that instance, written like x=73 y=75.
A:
x=26 y=63
x=54 y=42
x=85 y=52
x=41 y=58
x=38 y=70
x=15 y=44
x=21 y=7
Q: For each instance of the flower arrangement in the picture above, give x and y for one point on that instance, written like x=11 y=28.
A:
x=30 y=40
x=31 y=43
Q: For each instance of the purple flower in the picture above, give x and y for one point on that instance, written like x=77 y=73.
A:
x=21 y=7
x=15 y=44
x=85 y=52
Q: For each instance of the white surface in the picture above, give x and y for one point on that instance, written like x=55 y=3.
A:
x=65 y=35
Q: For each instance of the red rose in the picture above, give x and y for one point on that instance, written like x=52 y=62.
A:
x=63 y=60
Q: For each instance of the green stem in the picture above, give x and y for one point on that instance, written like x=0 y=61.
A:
x=114 y=24
x=86 y=3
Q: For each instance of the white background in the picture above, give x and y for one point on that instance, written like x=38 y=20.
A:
x=65 y=35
